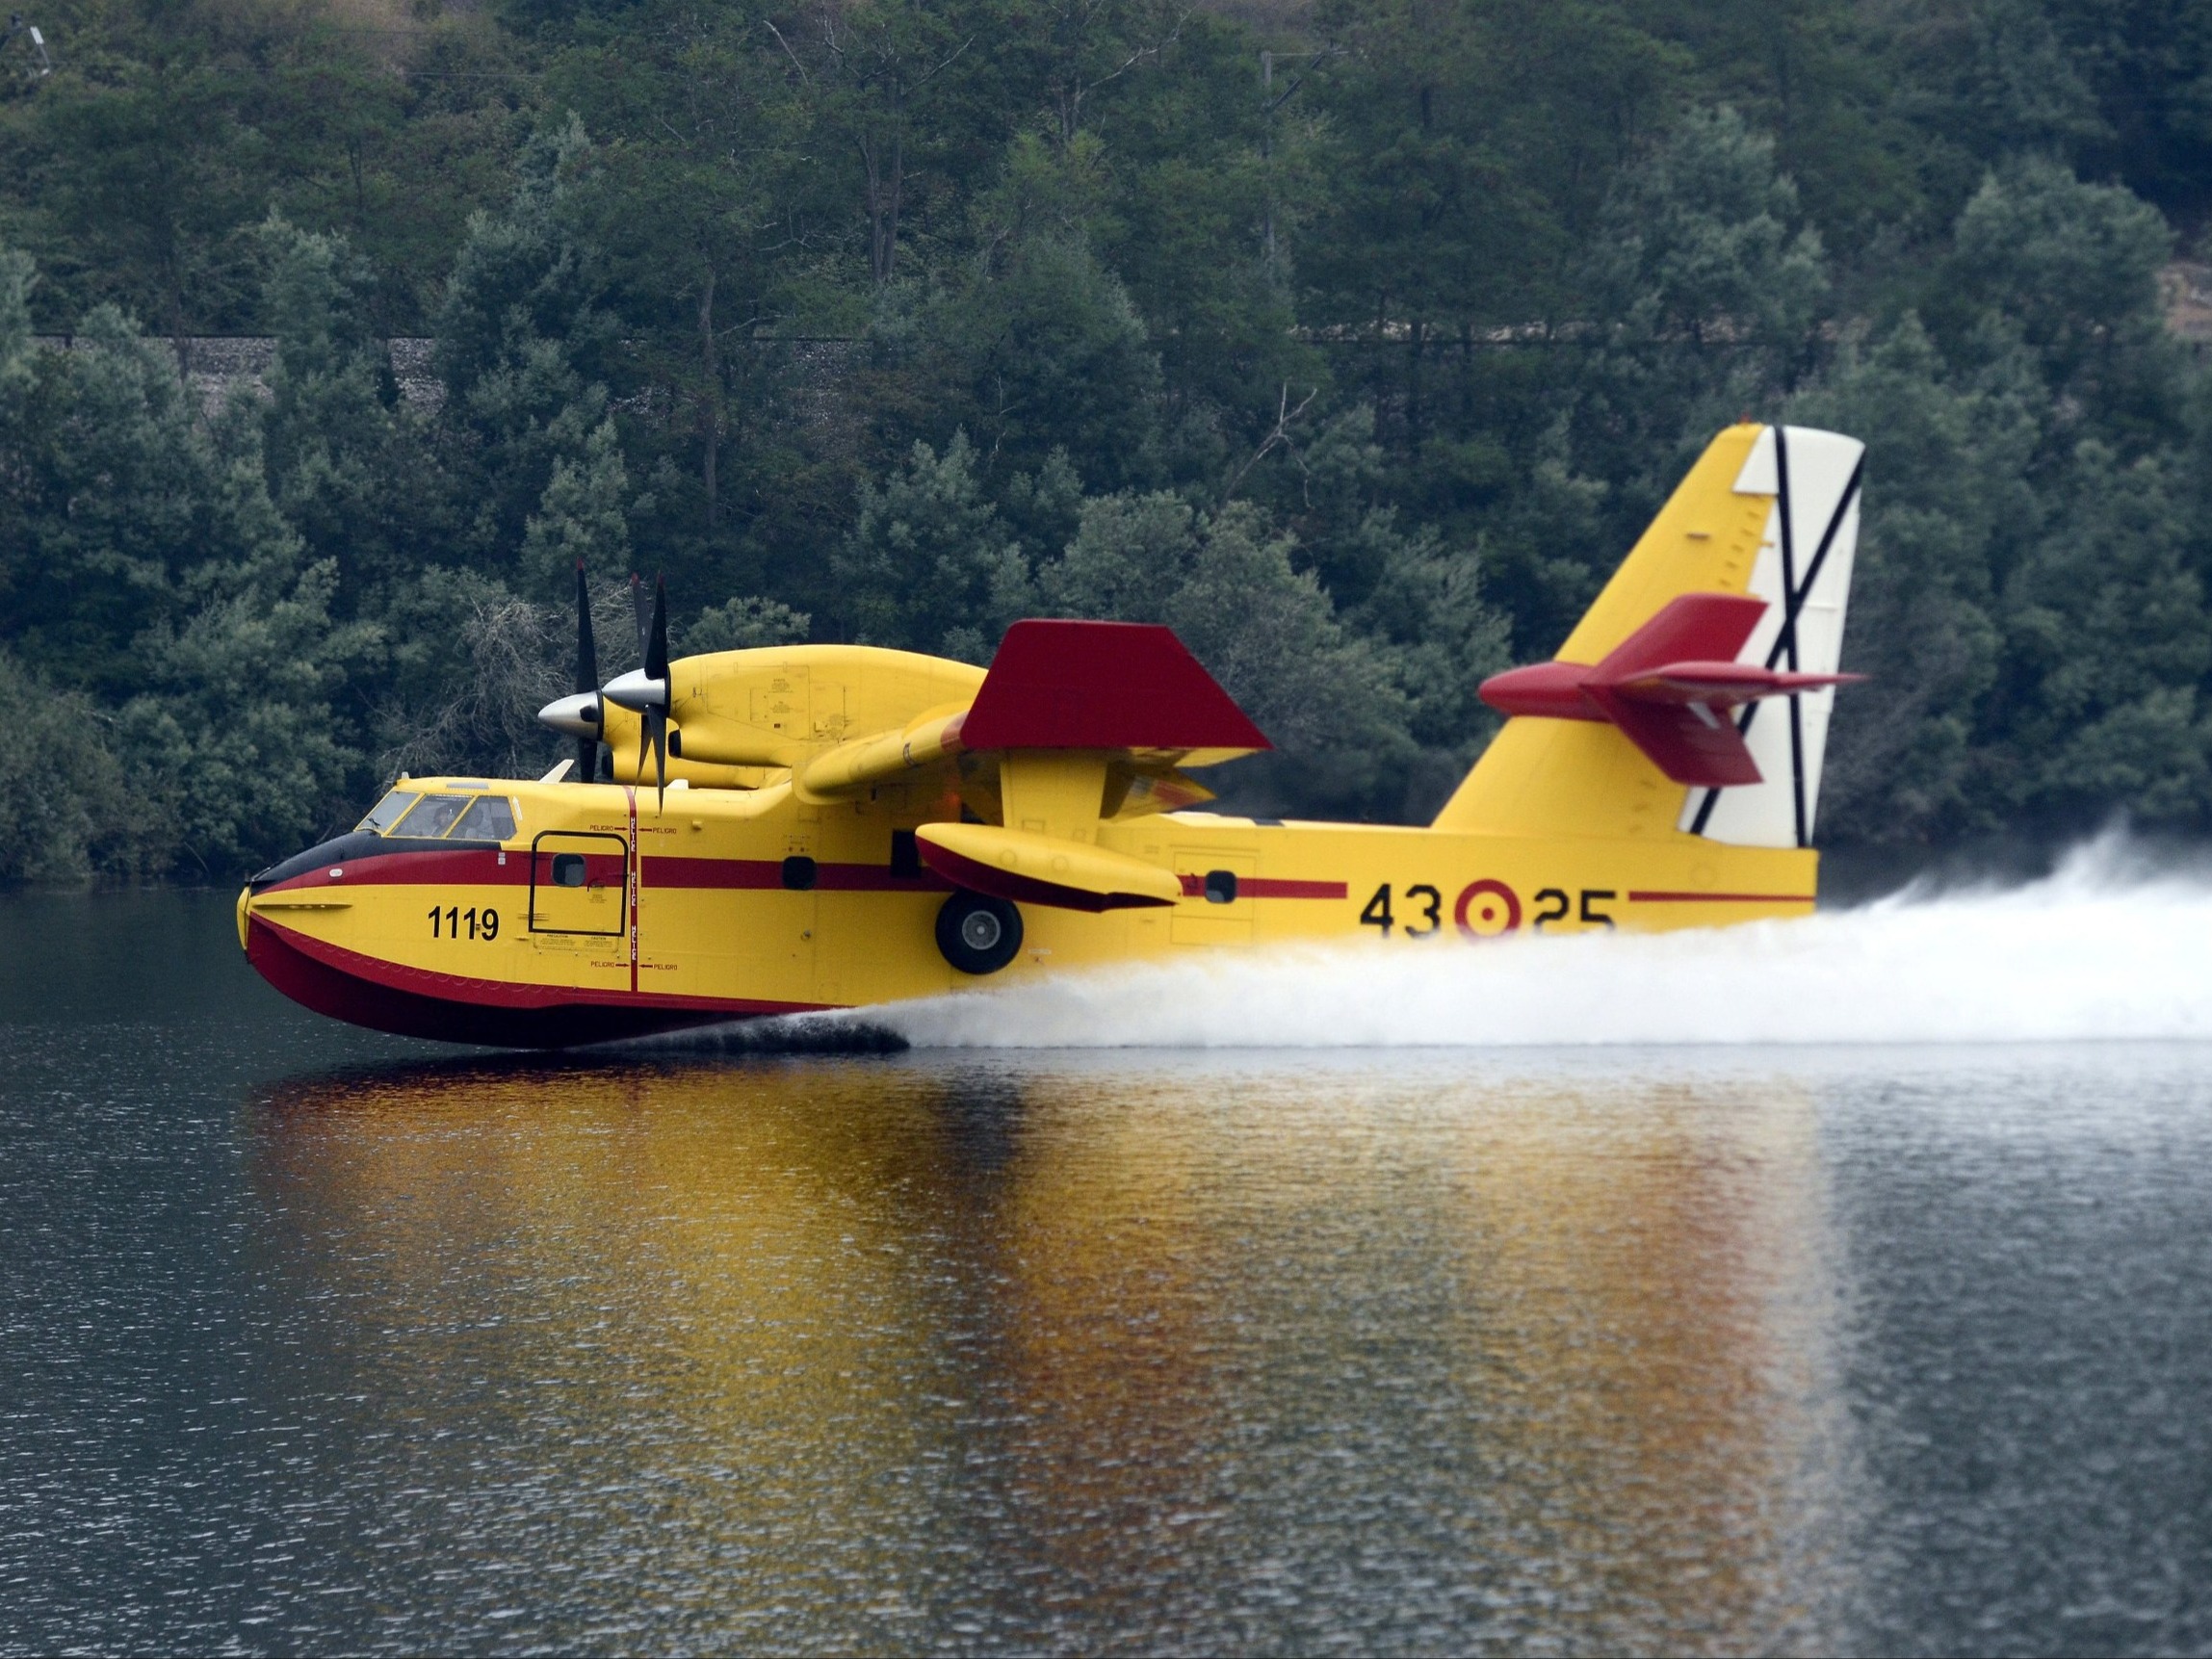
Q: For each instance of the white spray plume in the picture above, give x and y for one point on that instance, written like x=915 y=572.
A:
x=2102 y=949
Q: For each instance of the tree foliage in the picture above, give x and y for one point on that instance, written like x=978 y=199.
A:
x=1357 y=342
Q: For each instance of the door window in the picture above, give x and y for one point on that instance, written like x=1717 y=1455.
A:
x=579 y=883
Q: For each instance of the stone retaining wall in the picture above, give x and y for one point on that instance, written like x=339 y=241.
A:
x=215 y=363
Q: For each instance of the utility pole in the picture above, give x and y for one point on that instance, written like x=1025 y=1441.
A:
x=16 y=26
x=1267 y=151
x=1270 y=100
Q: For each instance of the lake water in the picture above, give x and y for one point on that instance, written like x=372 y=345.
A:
x=315 y=1340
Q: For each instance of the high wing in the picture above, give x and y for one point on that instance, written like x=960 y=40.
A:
x=1128 y=690
x=1076 y=723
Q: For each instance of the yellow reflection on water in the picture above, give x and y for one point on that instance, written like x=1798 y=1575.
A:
x=1649 y=1268
x=825 y=1344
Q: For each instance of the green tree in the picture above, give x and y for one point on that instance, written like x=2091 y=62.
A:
x=2106 y=645
x=523 y=348
x=346 y=462
x=927 y=566
x=2073 y=268
x=1048 y=356
x=889 y=83
x=743 y=624
x=146 y=170
x=1706 y=285
x=1948 y=495
x=697 y=132
x=1227 y=583
x=581 y=518
x=157 y=575
x=53 y=832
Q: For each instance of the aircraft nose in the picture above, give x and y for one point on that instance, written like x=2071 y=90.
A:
x=578 y=714
x=638 y=691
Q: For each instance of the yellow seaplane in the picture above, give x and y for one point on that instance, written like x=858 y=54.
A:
x=830 y=826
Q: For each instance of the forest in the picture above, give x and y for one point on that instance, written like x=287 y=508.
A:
x=1355 y=339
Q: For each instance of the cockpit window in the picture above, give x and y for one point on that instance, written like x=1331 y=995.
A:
x=488 y=818
x=469 y=818
x=434 y=816
x=387 y=812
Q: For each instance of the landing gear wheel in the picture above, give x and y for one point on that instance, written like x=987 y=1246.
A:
x=978 y=935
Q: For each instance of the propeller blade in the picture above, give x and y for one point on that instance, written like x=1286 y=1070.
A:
x=586 y=676
x=657 y=648
x=657 y=720
x=586 y=650
x=653 y=649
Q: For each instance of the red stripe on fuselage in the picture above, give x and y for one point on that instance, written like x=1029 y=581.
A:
x=1720 y=898
x=767 y=873
x=483 y=868
x=1267 y=887
x=475 y=867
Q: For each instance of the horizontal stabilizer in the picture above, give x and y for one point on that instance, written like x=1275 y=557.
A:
x=1032 y=869
x=1723 y=682
x=1061 y=685
x=1668 y=686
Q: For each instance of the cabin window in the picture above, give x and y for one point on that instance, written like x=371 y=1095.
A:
x=387 y=812
x=568 y=870
x=491 y=818
x=1221 y=886
x=434 y=815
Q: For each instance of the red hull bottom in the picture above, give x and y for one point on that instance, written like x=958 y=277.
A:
x=359 y=1001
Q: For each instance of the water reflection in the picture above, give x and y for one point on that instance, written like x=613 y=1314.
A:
x=1123 y=1350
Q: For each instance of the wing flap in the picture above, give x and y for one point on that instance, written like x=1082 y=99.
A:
x=1113 y=687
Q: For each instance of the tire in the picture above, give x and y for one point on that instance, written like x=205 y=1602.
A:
x=978 y=935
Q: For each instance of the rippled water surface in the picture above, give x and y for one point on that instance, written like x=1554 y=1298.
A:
x=316 y=1340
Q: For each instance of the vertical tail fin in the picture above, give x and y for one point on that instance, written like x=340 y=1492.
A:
x=1768 y=512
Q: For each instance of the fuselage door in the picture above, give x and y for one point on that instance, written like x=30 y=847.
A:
x=579 y=883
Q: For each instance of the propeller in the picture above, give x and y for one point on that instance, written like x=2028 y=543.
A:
x=578 y=714
x=646 y=690
x=586 y=677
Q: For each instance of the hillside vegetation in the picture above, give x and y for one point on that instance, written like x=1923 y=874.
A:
x=1356 y=340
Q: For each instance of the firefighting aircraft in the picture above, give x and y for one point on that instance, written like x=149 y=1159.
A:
x=814 y=827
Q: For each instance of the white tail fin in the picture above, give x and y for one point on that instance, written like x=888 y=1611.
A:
x=1804 y=572
x=1768 y=511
